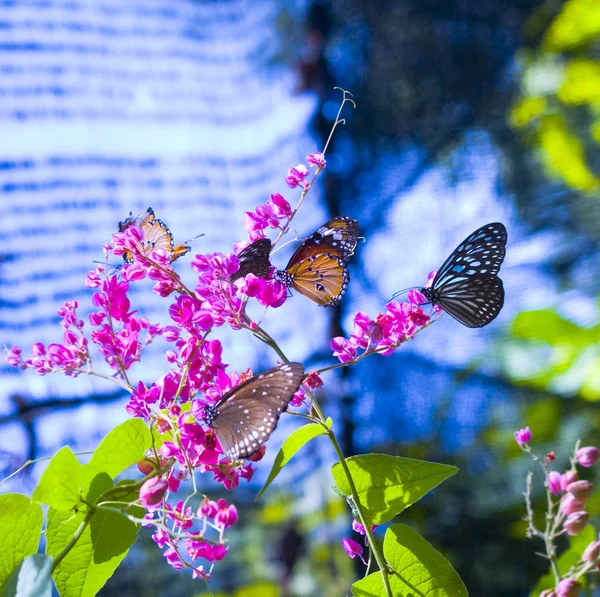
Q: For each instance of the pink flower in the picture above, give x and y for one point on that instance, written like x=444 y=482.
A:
x=568 y=588
x=226 y=516
x=296 y=176
x=161 y=537
x=548 y=593
x=416 y=297
x=587 y=456
x=153 y=491
x=316 y=159
x=359 y=528
x=523 y=436
x=352 y=548
x=343 y=349
x=173 y=558
x=281 y=208
x=576 y=522
x=554 y=482
x=207 y=509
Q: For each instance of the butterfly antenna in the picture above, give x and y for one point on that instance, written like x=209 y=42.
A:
x=399 y=293
x=194 y=238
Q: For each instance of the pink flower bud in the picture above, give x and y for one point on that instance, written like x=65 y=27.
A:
x=568 y=478
x=153 y=491
x=145 y=467
x=551 y=457
x=554 y=482
x=592 y=552
x=523 y=436
x=587 y=456
x=570 y=504
x=568 y=588
x=582 y=490
x=575 y=523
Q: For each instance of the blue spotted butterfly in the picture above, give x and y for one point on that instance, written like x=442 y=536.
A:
x=467 y=286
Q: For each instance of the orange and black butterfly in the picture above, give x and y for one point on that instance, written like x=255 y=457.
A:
x=318 y=269
x=156 y=236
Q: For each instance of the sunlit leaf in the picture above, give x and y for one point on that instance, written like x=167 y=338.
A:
x=387 y=485
x=20 y=528
x=60 y=485
x=125 y=445
x=96 y=555
x=421 y=571
x=291 y=445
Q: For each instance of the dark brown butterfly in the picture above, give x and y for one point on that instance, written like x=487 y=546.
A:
x=318 y=269
x=254 y=259
x=244 y=419
x=467 y=285
x=156 y=236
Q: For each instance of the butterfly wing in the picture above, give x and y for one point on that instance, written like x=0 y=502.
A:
x=255 y=259
x=156 y=236
x=323 y=278
x=318 y=269
x=474 y=301
x=482 y=252
x=244 y=419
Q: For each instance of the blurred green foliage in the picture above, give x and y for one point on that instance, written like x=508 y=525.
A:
x=558 y=110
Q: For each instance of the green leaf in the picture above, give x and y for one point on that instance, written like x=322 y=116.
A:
x=60 y=485
x=291 y=445
x=387 y=485
x=31 y=578
x=421 y=570
x=547 y=326
x=96 y=554
x=20 y=528
x=569 y=558
x=125 y=445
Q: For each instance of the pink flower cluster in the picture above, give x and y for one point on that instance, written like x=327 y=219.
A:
x=297 y=176
x=382 y=334
x=573 y=491
x=174 y=531
x=68 y=358
x=275 y=213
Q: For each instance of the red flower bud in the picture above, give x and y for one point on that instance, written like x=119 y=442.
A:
x=551 y=457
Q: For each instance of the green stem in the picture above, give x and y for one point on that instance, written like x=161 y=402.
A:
x=267 y=339
x=363 y=519
x=73 y=540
